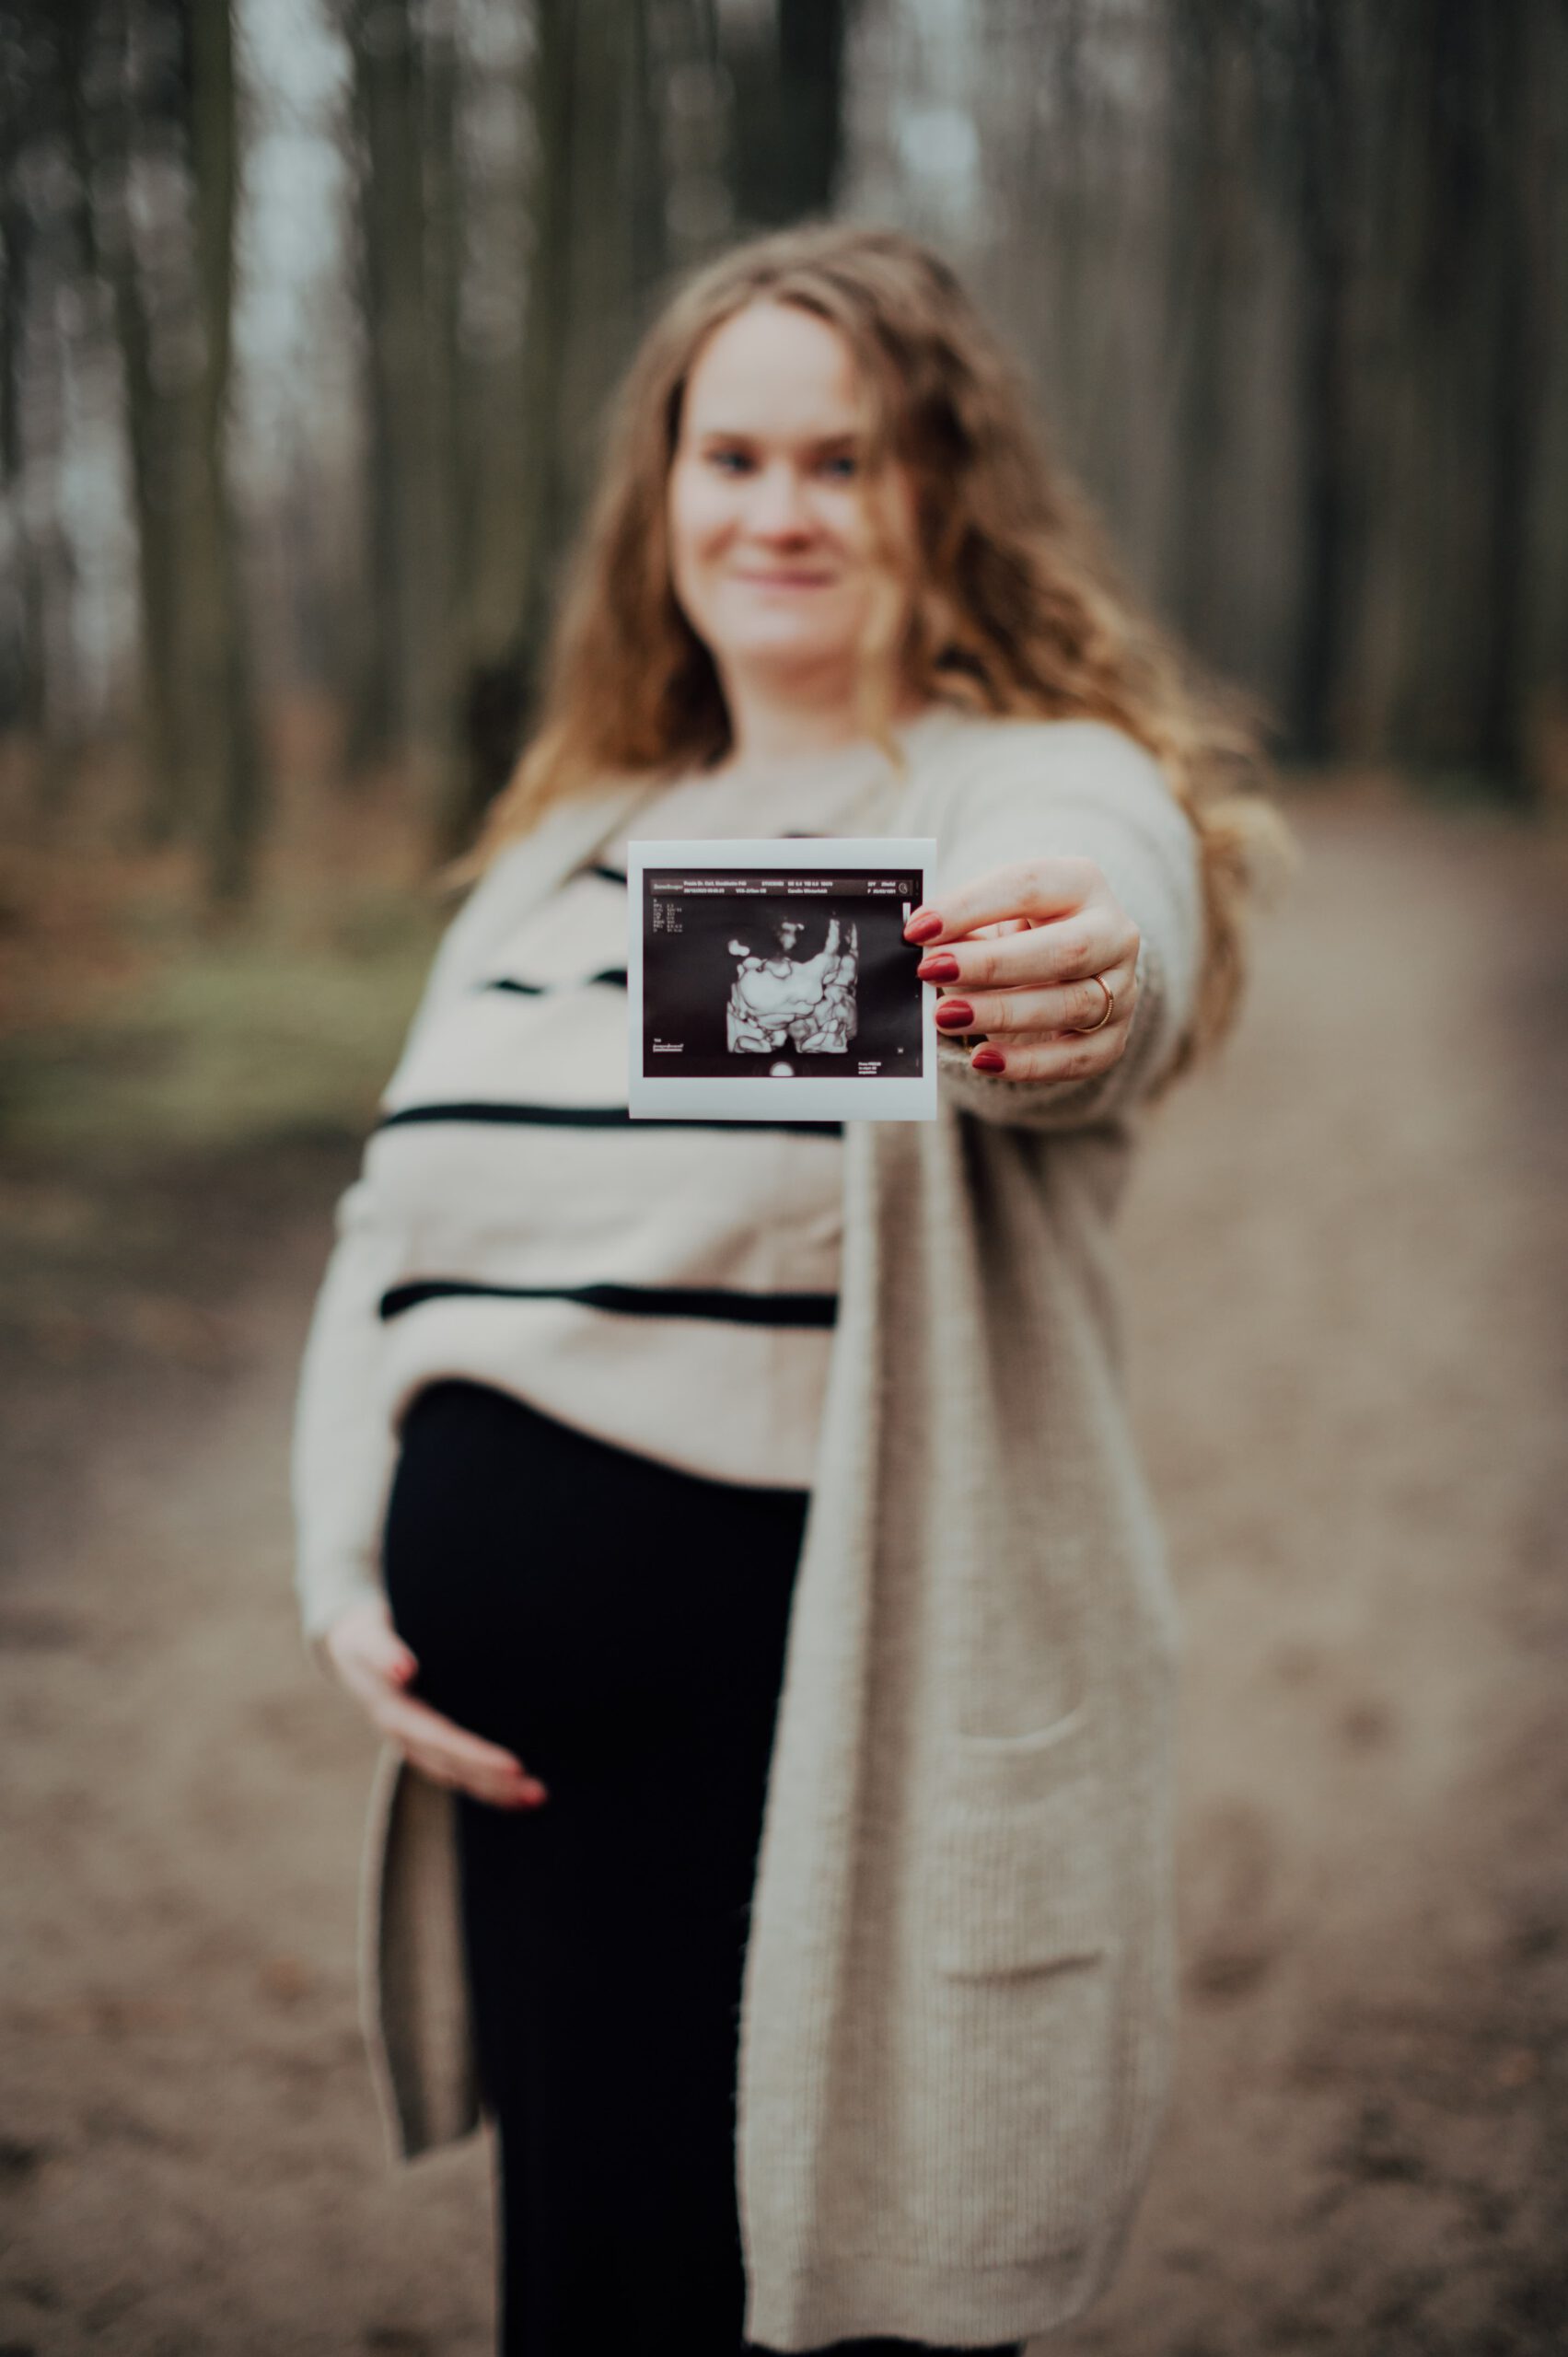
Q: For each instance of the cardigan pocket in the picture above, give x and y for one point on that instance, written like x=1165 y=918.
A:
x=1026 y=1954
x=1021 y=1880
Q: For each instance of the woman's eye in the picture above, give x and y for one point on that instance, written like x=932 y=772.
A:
x=843 y=466
x=728 y=461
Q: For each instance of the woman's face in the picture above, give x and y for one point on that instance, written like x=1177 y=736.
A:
x=770 y=544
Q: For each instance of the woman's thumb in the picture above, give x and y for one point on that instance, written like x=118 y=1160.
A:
x=393 y=1656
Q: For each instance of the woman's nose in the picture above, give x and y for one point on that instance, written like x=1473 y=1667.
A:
x=777 y=505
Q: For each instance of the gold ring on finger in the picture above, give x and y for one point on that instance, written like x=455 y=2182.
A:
x=1102 y=1020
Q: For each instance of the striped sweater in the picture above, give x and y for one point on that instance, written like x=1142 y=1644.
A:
x=668 y=1286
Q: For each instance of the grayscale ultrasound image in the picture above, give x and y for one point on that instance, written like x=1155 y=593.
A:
x=779 y=976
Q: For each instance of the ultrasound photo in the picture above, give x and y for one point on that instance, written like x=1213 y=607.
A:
x=778 y=963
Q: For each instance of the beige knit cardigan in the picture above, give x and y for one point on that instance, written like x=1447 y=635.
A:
x=958 y=2001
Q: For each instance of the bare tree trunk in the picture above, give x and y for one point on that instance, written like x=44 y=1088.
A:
x=1445 y=323
x=601 y=240
x=39 y=241
x=376 y=702
x=789 y=108
x=449 y=476
x=392 y=229
x=154 y=447
x=597 y=200
x=547 y=316
x=811 y=63
x=219 y=650
x=1207 y=233
x=1329 y=616
x=617 y=217
x=412 y=457
x=22 y=684
x=1522 y=297
x=493 y=490
x=1548 y=229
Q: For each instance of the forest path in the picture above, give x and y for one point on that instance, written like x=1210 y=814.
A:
x=1345 y=1272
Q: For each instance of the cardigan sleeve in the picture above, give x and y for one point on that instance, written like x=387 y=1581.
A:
x=344 y=1449
x=1086 y=789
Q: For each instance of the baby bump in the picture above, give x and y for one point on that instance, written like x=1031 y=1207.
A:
x=571 y=1599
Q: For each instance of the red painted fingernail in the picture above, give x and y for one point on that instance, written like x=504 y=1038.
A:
x=956 y=1014
x=987 y=1060
x=940 y=967
x=923 y=927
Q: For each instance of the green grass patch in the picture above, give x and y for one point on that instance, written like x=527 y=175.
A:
x=287 y=1027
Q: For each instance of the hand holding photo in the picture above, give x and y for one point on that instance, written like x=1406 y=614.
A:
x=1041 y=959
x=770 y=979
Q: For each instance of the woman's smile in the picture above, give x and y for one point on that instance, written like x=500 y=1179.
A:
x=787 y=580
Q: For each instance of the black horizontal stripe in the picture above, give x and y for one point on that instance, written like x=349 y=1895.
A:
x=614 y=977
x=609 y=874
x=811 y=1310
x=587 y=1117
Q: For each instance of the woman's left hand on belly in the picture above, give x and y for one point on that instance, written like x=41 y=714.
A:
x=1032 y=954
x=373 y=1662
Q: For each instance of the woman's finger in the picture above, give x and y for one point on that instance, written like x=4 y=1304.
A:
x=1056 y=1056
x=1074 y=1006
x=510 y=1791
x=420 y=1724
x=1004 y=925
x=499 y=1791
x=1037 y=888
x=1086 y=944
x=457 y=1754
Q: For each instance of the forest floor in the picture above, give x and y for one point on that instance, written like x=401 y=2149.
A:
x=1346 y=1267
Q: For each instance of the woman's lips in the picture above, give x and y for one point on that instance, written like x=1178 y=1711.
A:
x=787 y=580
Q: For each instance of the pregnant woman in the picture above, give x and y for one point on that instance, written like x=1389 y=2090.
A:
x=733 y=1532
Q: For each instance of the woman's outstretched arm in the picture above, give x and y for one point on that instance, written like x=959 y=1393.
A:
x=1065 y=856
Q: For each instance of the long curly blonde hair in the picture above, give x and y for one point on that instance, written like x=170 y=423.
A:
x=1006 y=599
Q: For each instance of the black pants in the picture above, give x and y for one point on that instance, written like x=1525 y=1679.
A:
x=622 y=1627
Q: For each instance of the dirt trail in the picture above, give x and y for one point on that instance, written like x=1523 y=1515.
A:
x=1346 y=1267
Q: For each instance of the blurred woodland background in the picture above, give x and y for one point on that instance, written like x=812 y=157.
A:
x=309 y=309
